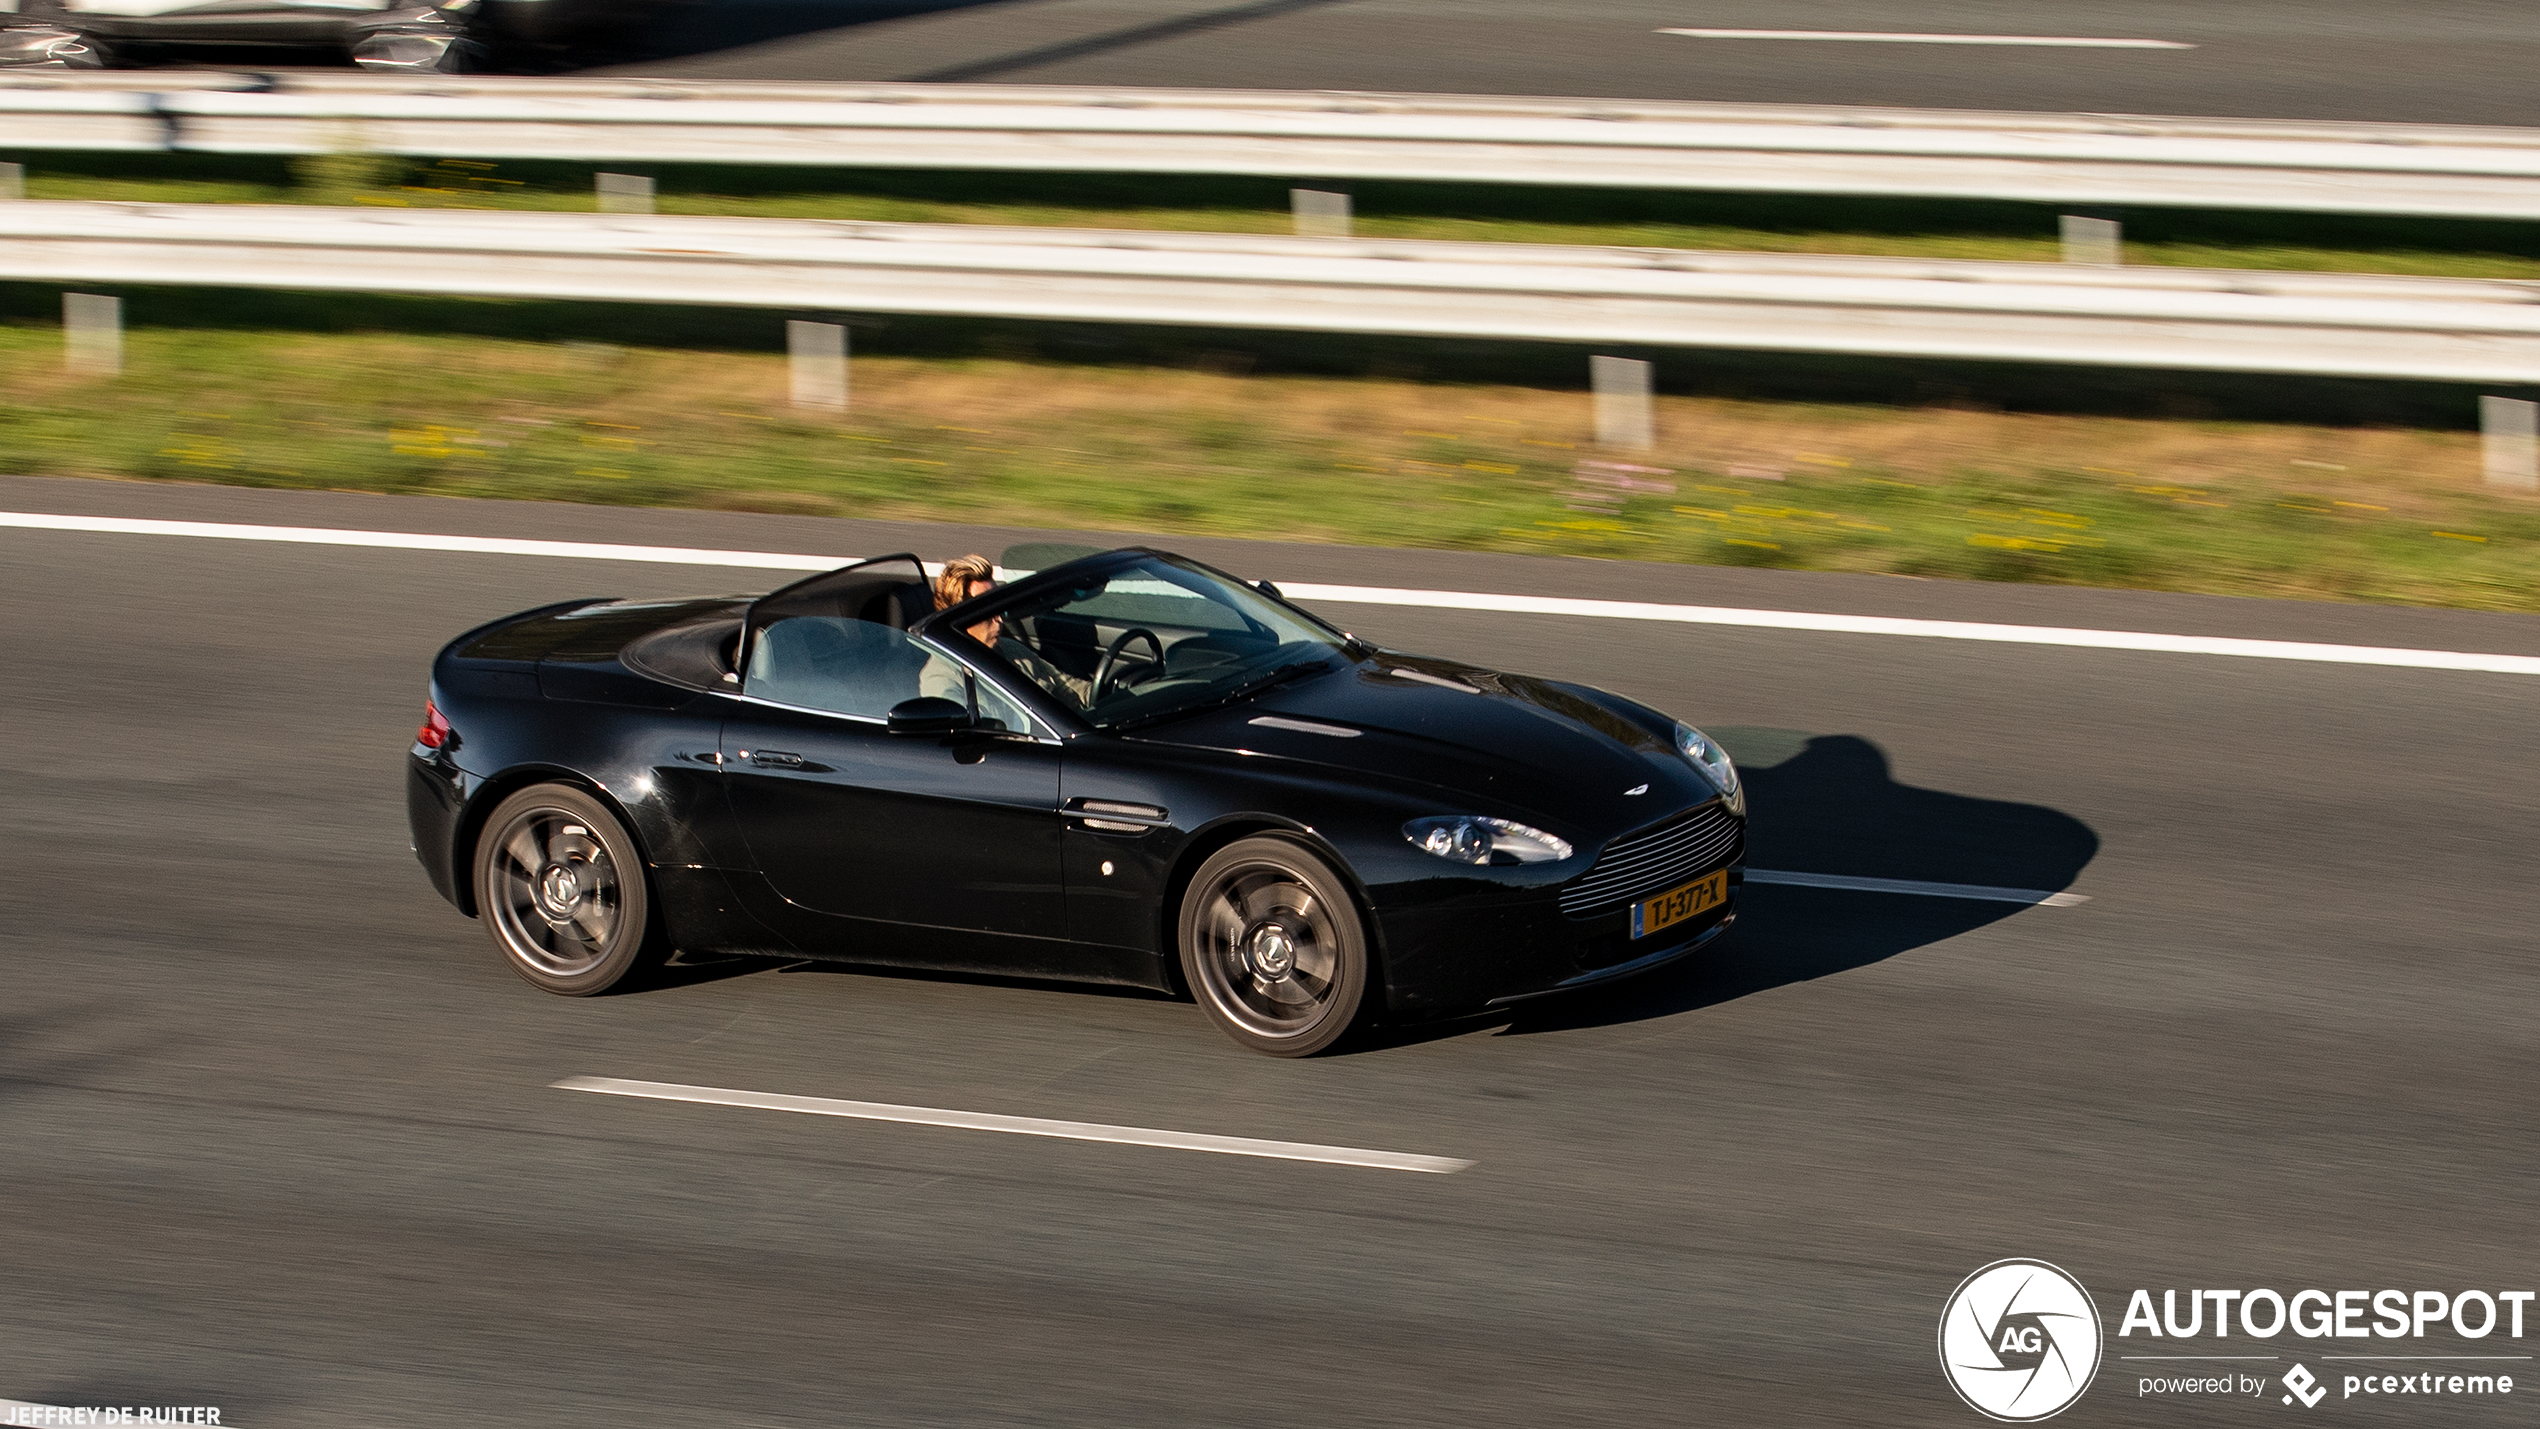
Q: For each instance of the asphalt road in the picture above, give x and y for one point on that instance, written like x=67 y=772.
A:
x=279 y=1135
x=2443 y=61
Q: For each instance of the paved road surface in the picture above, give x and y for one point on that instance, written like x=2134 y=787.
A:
x=279 y=1135
x=2450 y=61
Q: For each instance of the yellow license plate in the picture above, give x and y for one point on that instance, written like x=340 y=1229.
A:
x=1677 y=904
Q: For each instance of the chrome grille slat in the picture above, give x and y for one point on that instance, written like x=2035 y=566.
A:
x=1620 y=885
x=1611 y=868
x=1654 y=860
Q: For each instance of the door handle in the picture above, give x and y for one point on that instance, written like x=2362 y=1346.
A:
x=774 y=758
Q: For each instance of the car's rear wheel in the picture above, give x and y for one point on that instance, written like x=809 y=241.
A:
x=560 y=889
x=1273 y=947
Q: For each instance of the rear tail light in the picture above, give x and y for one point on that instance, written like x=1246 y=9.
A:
x=436 y=730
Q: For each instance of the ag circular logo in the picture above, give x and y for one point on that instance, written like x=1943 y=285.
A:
x=2019 y=1340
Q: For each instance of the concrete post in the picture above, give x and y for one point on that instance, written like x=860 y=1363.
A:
x=12 y=181
x=1319 y=214
x=2512 y=431
x=625 y=193
x=817 y=354
x=2097 y=242
x=92 y=334
x=1623 y=417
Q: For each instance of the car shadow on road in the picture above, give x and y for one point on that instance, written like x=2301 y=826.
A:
x=695 y=969
x=1833 y=807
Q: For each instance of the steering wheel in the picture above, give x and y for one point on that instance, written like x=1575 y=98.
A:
x=1111 y=658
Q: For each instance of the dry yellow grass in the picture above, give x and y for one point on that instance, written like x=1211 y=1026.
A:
x=2231 y=507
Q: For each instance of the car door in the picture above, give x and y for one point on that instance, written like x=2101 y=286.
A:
x=929 y=850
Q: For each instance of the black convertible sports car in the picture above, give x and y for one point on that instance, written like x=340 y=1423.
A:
x=421 y=36
x=1127 y=768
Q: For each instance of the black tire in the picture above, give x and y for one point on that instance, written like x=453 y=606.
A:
x=561 y=889
x=1273 y=947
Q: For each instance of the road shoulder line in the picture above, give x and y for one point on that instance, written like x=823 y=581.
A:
x=1809 y=621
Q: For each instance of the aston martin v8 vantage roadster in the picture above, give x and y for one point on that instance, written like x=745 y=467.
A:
x=1128 y=768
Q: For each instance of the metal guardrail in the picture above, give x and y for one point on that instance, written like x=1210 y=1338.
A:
x=2308 y=323
x=2077 y=159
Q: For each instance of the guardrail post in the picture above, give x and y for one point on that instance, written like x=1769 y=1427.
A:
x=92 y=334
x=2511 y=429
x=1319 y=214
x=816 y=356
x=2098 y=242
x=12 y=181
x=625 y=193
x=1623 y=416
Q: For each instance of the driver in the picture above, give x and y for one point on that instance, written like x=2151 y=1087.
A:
x=961 y=579
x=965 y=578
x=968 y=578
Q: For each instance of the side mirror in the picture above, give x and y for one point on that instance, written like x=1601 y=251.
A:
x=929 y=715
x=1268 y=589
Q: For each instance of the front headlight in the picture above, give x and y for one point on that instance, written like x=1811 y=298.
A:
x=1709 y=757
x=1469 y=838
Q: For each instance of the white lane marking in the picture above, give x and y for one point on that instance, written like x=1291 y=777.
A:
x=1373 y=595
x=1928 y=629
x=1884 y=37
x=407 y=541
x=1020 y=1125
x=2037 y=897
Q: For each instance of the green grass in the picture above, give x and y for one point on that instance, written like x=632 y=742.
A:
x=1481 y=213
x=2348 y=513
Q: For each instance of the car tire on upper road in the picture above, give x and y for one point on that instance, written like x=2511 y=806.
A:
x=1273 y=947
x=561 y=889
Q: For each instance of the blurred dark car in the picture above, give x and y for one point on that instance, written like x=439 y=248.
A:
x=1128 y=768
x=388 y=35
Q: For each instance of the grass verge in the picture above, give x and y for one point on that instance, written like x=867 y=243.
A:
x=2242 y=508
x=1482 y=213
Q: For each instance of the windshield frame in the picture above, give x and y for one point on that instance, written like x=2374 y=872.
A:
x=950 y=628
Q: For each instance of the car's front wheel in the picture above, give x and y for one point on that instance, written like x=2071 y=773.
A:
x=1273 y=947
x=560 y=888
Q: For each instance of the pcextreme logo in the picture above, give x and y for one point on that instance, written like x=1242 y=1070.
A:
x=2019 y=1340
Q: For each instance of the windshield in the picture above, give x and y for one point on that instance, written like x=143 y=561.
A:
x=1153 y=638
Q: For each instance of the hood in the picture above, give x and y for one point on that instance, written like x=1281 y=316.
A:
x=1562 y=757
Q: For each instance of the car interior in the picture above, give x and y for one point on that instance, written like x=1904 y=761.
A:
x=1116 y=646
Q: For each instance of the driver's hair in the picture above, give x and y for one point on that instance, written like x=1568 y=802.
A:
x=952 y=586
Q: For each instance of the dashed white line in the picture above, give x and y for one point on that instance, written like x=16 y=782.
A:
x=1887 y=37
x=2080 y=638
x=2035 y=897
x=1020 y=1125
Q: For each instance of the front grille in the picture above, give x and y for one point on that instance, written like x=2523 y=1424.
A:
x=1654 y=860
